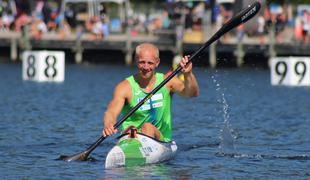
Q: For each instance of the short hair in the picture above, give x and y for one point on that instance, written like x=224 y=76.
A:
x=147 y=46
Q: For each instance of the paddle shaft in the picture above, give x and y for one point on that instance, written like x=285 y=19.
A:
x=240 y=18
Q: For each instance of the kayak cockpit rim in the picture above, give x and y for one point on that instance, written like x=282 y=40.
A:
x=127 y=134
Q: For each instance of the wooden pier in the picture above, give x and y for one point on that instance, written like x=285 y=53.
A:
x=235 y=52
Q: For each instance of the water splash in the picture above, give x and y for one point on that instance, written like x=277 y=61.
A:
x=226 y=137
x=227 y=145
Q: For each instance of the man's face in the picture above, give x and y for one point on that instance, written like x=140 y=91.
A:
x=147 y=63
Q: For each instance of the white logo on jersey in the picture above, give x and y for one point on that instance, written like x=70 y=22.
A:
x=155 y=101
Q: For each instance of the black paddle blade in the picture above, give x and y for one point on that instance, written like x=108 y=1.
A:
x=83 y=156
x=77 y=157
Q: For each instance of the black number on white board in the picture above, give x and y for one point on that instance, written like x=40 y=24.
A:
x=300 y=70
x=50 y=70
x=31 y=70
x=281 y=70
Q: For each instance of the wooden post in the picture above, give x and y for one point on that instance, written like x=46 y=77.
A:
x=27 y=43
x=78 y=56
x=13 y=51
x=179 y=40
x=179 y=32
x=78 y=51
x=209 y=28
x=240 y=53
x=212 y=55
x=206 y=24
x=272 y=39
x=128 y=56
x=212 y=50
x=178 y=50
x=25 y=40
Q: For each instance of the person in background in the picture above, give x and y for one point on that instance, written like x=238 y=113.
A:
x=153 y=118
x=261 y=29
x=305 y=27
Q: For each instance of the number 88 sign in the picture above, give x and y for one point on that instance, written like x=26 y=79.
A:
x=290 y=71
x=43 y=65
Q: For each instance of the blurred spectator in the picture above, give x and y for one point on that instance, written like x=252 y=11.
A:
x=188 y=19
x=305 y=27
x=22 y=18
x=261 y=29
x=115 y=25
x=157 y=22
x=105 y=28
x=197 y=23
x=224 y=16
x=70 y=16
x=64 y=29
x=79 y=32
x=97 y=28
x=38 y=9
x=37 y=28
x=154 y=25
x=6 y=21
x=240 y=32
x=94 y=26
x=219 y=21
x=2 y=26
x=166 y=22
x=45 y=17
x=46 y=12
x=88 y=25
x=280 y=26
x=52 y=21
x=198 y=13
x=290 y=18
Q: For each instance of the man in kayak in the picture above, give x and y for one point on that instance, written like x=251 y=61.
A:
x=153 y=118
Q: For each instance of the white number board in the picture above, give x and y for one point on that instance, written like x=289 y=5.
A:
x=290 y=71
x=44 y=66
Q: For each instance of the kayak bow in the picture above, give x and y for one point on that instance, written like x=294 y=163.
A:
x=139 y=150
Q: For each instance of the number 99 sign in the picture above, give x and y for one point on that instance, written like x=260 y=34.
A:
x=290 y=71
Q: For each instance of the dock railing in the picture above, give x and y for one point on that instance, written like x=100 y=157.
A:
x=166 y=40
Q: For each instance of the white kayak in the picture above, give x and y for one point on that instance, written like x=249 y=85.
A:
x=139 y=149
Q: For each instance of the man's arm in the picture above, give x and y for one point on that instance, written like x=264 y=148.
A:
x=115 y=107
x=188 y=88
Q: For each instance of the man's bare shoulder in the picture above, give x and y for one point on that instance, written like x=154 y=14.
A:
x=123 y=88
x=123 y=84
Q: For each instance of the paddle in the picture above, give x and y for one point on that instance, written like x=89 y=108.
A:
x=240 y=18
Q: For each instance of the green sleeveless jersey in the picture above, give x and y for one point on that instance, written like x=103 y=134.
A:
x=156 y=110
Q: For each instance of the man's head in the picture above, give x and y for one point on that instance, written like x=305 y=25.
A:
x=147 y=59
x=140 y=49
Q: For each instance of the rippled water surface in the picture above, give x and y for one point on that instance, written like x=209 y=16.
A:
x=239 y=127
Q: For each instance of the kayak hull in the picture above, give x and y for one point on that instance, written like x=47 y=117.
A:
x=139 y=150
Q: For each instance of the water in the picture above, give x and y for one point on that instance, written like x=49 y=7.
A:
x=239 y=127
